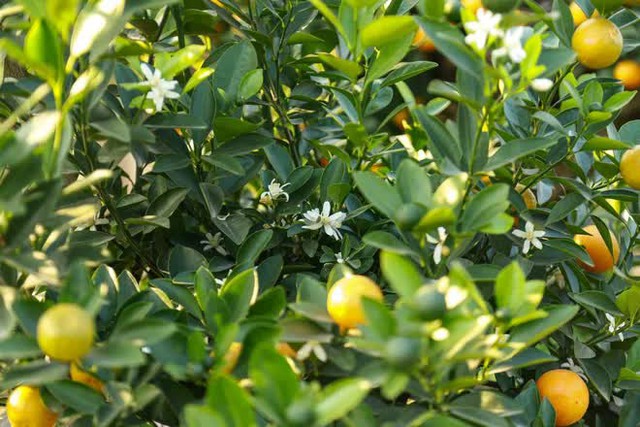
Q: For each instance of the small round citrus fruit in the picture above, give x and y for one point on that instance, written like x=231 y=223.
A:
x=429 y=303
x=501 y=6
x=344 y=302
x=630 y=167
x=25 y=408
x=602 y=259
x=597 y=42
x=628 y=72
x=472 y=5
x=65 y=332
x=403 y=352
x=80 y=376
x=423 y=42
x=567 y=393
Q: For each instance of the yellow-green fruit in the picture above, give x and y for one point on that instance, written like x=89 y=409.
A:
x=25 y=408
x=65 y=332
x=598 y=43
x=344 y=301
x=630 y=167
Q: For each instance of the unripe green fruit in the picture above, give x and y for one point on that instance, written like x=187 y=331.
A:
x=429 y=303
x=403 y=352
x=408 y=215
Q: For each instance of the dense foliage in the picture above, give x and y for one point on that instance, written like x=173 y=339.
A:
x=209 y=181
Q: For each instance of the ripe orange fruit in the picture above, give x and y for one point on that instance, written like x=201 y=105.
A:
x=285 y=349
x=597 y=43
x=578 y=14
x=65 y=332
x=423 y=42
x=628 y=72
x=472 y=5
x=630 y=167
x=603 y=259
x=401 y=118
x=344 y=301
x=529 y=198
x=567 y=393
x=80 y=376
x=25 y=408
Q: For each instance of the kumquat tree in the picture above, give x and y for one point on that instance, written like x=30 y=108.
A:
x=306 y=213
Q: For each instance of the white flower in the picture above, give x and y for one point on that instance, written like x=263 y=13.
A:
x=542 y=85
x=274 y=193
x=512 y=45
x=570 y=365
x=530 y=236
x=439 y=242
x=479 y=31
x=613 y=327
x=214 y=242
x=160 y=88
x=339 y=258
x=331 y=223
x=312 y=346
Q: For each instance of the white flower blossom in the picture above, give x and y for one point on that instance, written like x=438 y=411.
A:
x=542 y=85
x=214 y=242
x=512 y=45
x=339 y=258
x=311 y=347
x=160 y=88
x=439 y=242
x=274 y=192
x=530 y=236
x=331 y=223
x=570 y=365
x=613 y=327
x=478 y=32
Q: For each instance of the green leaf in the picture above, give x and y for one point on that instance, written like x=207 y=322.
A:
x=198 y=416
x=485 y=206
x=388 y=56
x=97 y=25
x=413 y=183
x=274 y=381
x=528 y=357
x=350 y=68
x=449 y=39
x=78 y=396
x=144 y=332
x=34 y=373
x=379 y=192
x=514 y=150
x=442 y=143
x=239 y=293
x=600 y=143
x=406 y=71
x=232 y=66
x=230 y=402
x=619 y=100
x=339 y=398
x=598 y=300
x=401 y=273
x=116 y=355
x=387 y=29
x=510 y=288
x=564 y=207
x=280 y=160
x=532 y=332
x=42 y=45
x=179 y=294
x=170 y=64
x=250 y=84
x=19 y=347
x=173 y=121
x=387 y=241
x=253 y=246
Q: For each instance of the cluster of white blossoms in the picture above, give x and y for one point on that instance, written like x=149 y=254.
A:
x=482 y=32
x=275 y=192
